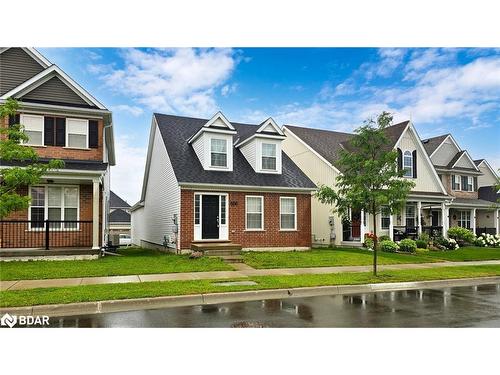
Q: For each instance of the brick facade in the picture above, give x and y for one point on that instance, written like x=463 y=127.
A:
x=446 y=179
x=271 y=236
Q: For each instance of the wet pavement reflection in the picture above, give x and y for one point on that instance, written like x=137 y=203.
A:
x=474 y=306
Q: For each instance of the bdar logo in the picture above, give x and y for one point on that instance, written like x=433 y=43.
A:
x=8 y=320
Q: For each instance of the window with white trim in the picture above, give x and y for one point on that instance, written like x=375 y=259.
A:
x=218 y=152
x=197 y=200
x=410 y=213
x=467 y=183
x=385 y=217
x=455 y=185
x=269 y=156
x=408 y=164
x=223 y=210
x=33 y=128
x=464 y=219
x=55 y=203
x=77 y=133
x=254 y=212
x=288 y=213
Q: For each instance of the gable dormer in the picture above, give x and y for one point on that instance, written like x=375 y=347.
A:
x=213 y=144
x=263 y=148
x=445 y=151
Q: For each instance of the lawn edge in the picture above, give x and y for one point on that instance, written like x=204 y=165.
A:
x=122 y=305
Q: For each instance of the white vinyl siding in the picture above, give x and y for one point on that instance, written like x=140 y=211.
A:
x=288 y=213
x=77 y=133
x=33 y=128
x=254 y=211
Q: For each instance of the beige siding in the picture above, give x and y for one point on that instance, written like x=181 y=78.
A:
x=445 y=153
x=426 y=180
x=320 y=173
x=487 y=178
x=485 y=219
x=464 y=162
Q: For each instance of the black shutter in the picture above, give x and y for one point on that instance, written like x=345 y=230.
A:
x=93 y=134
x=414 y=157
x=475 y=183
x=465 y=183
x=48 y=131
x=453 y=184
x=400 y=160
x=60 y=132
x=14 y=119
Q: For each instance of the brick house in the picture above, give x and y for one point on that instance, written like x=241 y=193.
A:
x=214 y=181
x=63 y=121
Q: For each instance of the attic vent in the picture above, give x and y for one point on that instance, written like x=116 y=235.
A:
x=425 y=141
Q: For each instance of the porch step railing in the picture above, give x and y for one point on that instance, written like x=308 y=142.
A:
x=45 y=234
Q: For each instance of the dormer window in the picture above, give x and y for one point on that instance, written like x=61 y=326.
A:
x=408 y=164
x=218 y=153
x=269 y=156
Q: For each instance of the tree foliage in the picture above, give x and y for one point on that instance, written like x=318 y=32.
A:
x=29 y=171
x=369 y=176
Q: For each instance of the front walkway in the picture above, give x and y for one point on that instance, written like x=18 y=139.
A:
x=242 y=270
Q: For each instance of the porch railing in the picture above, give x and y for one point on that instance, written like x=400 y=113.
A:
x=433 y=231
x=480 y=231
x=45 y=234
x=402 y=232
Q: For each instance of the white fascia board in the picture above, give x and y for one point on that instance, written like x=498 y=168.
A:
x=60 y=109
x=210 y=130
x=470 y=159
x=43 y=77
x=268 y=136
x=222 y=117
x=271 y=122
x=489 y=167
x=312 y=150
x=449 y=136
x=221 y=187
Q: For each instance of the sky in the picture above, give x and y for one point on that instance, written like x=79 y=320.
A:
x=440 y=90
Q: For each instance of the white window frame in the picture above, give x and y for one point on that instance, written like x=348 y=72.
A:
x=458 y=184
x=464 y=216
x=470 y=183
x=46 y=207
x=415 y=218
x=262 y=156
x=261 y=213
x=382 y=217
x=68 y=121
x=21 y=120
x=227 y=153
x=295 y=214
x=410 y=167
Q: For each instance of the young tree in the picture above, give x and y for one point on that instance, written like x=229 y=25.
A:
x=12 y=150
x=370 y=177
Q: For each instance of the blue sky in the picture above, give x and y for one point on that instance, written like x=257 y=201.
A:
x=440 y=90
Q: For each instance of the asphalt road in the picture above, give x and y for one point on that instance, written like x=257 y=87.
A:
x=476 y=306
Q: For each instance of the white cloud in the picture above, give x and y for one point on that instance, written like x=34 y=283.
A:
x=173 y=80
x=127 y=175
x=228 y=89
x=133 y=110
x=390 y=60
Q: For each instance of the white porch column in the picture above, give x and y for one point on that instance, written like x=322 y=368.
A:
x=391 y=227
x=497 y=215
x=419 y=217
x=362 y=229
x=473 y=220
x=95 y=214
x=444 y=219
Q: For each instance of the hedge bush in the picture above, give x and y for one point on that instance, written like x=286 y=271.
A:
x=461 y=234
x=421 y=244
x=384 y=238
x=388 y=246
x=407 y=246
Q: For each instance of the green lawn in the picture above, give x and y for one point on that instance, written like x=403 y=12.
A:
x=134 y=261
x=170 y=288
x=466 y=254
x=328 y=258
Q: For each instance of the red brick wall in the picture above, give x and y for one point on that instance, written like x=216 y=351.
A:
x=270 y=237
x=67 y=153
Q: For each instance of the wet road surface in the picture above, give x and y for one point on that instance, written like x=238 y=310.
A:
x=472 y=306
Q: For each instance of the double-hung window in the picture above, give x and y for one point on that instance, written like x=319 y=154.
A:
x=254 y=212
x=33 y=128
x=218 y=152
x=467 y=183
x=385 y=217
x=58 y=204
x=455 y=184
x=464 y=219
x=410 y=215
x=77 y=133
x=408 y=164
x=288 y=213
x=269 y=156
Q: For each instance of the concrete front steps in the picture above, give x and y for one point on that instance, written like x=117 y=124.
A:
x=228 y=251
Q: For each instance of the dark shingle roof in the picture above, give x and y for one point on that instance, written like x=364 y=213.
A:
x=119 y=216
x=455 y=158
x=478 y=161
x=489 y=193
x=176 y=131
x=115 y=201
x=328 y=143
x=431 y=144
x=84 y=165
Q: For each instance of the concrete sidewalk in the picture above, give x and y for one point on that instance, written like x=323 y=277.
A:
x=242 y=270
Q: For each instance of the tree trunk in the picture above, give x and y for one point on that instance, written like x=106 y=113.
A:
x=375 y=243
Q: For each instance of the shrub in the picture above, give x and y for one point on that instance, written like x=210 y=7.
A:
x=388 y=246
x=488 y=240
x=424 y=237
x=461 y=234
x=370 y=235
x=369 y=243
x=421 y=244
x=384 y=238
x=407 y=246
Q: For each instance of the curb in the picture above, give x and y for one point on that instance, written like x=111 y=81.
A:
x=103 y=307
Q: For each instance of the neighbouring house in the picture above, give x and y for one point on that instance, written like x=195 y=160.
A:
x=470 y=182
x=432 y=206
x=215 y=181
x=119 y=216
x=69 y=208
